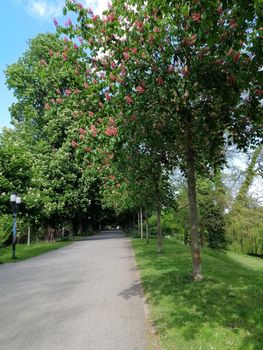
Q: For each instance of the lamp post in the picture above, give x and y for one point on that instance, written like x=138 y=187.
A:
x=15 y=201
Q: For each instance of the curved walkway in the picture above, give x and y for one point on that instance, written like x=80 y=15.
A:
x=85 y=296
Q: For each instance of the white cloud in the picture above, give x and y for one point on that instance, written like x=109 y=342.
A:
x=45 y=9
x=98 y=6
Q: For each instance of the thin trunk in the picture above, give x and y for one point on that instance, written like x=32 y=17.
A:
x=158 y=216
x=186 y=235
x=28 y=235
x=138 y=214
x=63 y=232
x=202 y=235
x=141 y=222
x=146 y=227
x=191 y=182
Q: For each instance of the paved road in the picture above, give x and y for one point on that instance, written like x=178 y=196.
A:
x=85 y=296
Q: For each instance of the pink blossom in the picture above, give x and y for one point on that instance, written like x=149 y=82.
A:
x=76 y=91
x=43 y=62
x=156 y=30
x=134 y=50
x=113 y=65
x=66 y=39
x=68 y=92
x=86 y=85
x=90 y=11
x=196 y=16
x=111 y=131
x=101 y=104
x=87 y=149
x=128 y=99
x=91 y=114
x=76 y=46
x=126 y=55
x=74 y=144
x=80 y=5
x=51 y=53
x=107 y=96
x=140 y=89
x=55 y=21
x=139 y=25
x=59 y=100
x=82 y=131
x=112 y=77
x=159 y=81
x=47 y=106
x=93 y=129
x=112 y=121
x=58 y=91
x=80 y=40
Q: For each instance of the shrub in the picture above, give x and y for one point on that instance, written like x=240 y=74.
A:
x=5 y=228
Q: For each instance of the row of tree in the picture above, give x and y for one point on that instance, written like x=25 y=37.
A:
x=125 y=99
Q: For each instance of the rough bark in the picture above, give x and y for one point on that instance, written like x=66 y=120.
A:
x=146 y=227
x=191 y=182
x=28 y=235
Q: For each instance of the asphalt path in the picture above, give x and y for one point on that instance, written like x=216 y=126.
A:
x=85 y=296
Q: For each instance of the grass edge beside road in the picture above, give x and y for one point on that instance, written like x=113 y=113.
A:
x=24 y=252
x=222 y=312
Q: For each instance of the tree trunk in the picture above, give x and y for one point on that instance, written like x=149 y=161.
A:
x=158 y=216
x=138 y=214
x=146 y=227
x=141 y=222
x=28 y=235
x=202 y=235
x=191 y=182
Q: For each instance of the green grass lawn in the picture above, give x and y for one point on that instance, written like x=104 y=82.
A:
x=24 y=252
x=225 y=311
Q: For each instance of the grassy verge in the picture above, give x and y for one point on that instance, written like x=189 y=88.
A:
x=24 y=252
x=222 y=312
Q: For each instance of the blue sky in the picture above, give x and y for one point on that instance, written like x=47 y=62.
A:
x=20 y=21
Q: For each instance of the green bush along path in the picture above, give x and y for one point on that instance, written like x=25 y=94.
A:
x=222 y=312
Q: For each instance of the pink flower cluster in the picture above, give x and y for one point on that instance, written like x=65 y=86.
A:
x=74 y=144
x=82 y=131
x=93 y=130
x=111 y=131
x=140 y=89
x=128 y=99
x=196 y=16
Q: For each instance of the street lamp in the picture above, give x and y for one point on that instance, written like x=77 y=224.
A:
x=15 y=201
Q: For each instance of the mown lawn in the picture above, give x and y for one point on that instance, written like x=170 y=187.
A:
x=225 y=311
x=24 y=252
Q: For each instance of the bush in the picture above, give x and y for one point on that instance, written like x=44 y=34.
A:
x=6 y=223
x=245 y=230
